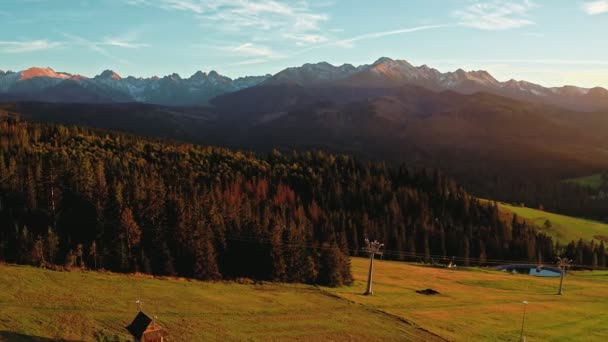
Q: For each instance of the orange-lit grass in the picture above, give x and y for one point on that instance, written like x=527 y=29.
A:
x=76 y=306
x=485 y=305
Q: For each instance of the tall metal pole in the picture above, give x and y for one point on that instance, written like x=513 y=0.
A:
x=563 y=263
x=561 y=281
x=372 y=248
x=522 y=338
x=368 y=291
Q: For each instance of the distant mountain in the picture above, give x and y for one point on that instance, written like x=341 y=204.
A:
x=389 y=73
x=44 y=84
x=507 y=149
x=462 y=134
x=486 y=141
x=313 y=74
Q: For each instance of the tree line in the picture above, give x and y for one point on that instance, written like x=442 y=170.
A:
x=85 y=198
x=541 y=190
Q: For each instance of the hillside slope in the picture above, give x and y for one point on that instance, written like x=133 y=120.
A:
x=485 y=305
x=127 y=203
x=499 y=148
x=473 y=305
x=81 y=306
x=562 y=228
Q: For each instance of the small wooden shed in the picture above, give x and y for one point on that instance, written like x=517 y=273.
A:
x=144 y=329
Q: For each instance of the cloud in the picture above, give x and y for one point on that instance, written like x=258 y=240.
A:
x=250 y=61
x=258 y=54
x=296 y=21
x=235 y=15
x=27 y=46
x=533 y=34
x=124 y=44
x=304 y=38
x=496 y=15
x=595 y=7
x=94 y=46
x=185 y=5
x=349 y=41
x=126 y=40
x=249 y=49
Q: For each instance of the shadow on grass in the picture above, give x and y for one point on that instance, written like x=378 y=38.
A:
x=16 y=337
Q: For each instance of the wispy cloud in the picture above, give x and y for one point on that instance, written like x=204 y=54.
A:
x=249 y=49
x=98 y=47
x=27 y=46
x=595 y=7
x=304 y=38
x=349 y=41
x=125 y=40
x=255 y=54
x=496 y=15
x=249 y=62
x=185 y=5
x=533 y=34
x=298 y=22
x=261 y=14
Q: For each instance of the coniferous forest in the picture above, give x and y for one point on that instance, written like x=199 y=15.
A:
x=79 y=197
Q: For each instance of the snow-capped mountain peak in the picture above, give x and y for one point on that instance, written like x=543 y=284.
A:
x=198 y=76
x=109 y=74
x=199 y=88
x=41 y=72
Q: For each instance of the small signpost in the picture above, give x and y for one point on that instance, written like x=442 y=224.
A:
x=522 y=338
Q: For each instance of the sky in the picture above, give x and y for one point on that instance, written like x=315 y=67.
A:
x=551 y=42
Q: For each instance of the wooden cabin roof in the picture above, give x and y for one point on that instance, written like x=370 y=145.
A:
x=139 y=325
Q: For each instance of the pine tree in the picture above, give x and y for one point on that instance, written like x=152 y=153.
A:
x=601 y=251
x=38 y=253
x=52 y=245
x=93 y=253
x=131 y=234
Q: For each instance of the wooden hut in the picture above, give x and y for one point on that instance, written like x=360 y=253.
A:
x=145 y=329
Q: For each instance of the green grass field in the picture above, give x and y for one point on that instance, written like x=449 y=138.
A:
x=485 y=305
x=592 y=181
x=76 y=306
x=473 y=305
x=563 y=228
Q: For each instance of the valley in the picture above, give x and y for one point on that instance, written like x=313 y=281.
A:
x=294 y=170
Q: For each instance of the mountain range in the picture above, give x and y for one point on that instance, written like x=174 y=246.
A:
x=500 y=139
x=47 y=85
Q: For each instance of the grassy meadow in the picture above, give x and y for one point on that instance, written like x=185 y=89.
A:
x=76 y=306
x=593 y=181
x=484 y=305
x=563 y=228
x=473 y=305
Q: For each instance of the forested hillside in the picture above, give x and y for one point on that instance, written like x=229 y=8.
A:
x=496 y=147
x=80 y=197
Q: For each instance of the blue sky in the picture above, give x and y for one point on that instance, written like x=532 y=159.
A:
x=552 y=42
